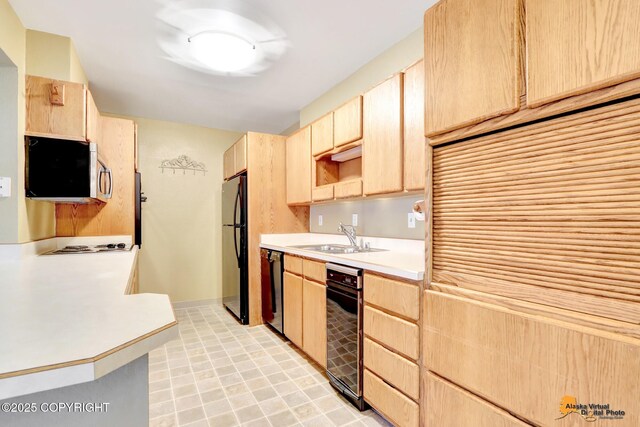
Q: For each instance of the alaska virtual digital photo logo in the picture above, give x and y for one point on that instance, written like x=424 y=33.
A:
x=590 y=412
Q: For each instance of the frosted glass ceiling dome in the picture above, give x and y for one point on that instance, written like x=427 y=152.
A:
x=219 y=37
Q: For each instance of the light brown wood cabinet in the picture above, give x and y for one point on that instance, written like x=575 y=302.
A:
x=574 y=47
x=298 y=167
x=398 y=408
x=322 y=134
x=93 y=120
x=56 y=109
x=473 y=65
x=414 y=141
x=235 y=158
x=292 y=296
x=314 y=323
x=382 y=158
x=117 y=216
x=347 y=122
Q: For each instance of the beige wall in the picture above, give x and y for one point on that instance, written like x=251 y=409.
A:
x=181 y=247
x=396 y=58
x=53 y=56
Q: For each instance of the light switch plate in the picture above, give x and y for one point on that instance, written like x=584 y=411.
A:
x=5 y=187
x=320 y=220
x=411 y=220
x=354 y=220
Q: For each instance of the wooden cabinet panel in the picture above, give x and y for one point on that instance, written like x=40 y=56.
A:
x=395 y=406
x=314 y=323
x=347 y=122
x=414 y=140
x=298 y=168
x=392 y=331
x=93 y=120
x=293 y=308
x=66 y=121
x=321 y=193
x=314 y=270
x=399 y=297
x=489 y=350
x=393 y=368
x=293 y=264
x=450 y=405
x=240 y=157
x=322 y=134
x=575 y=46
x=472 y=63
x=117 y=216
x=382 y=156
x=346 y=189
x=229 y=162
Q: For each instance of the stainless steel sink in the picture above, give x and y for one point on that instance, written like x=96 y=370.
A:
x=337 y=249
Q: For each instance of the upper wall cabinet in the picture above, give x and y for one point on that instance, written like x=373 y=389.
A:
x=574 y=47
x=322 y=134
x=347 y=122
x=93 y=125
x=414 y=141
x=235 y=158
x=56 y=109
x=472 y=62
x=298 y=167
x=382 y=155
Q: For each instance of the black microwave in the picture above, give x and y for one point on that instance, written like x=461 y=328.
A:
x=64 y=171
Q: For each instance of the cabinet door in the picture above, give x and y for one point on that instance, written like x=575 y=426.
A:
x=314 y=323
x=576 y=46
x=414 y=140
x=298 y=167
x=293 y=308
x=382 y=150
x=472 y=62
x=93 y=120
x=240 y=164
x=347 y=122
x=322 y=134
x=229 y=162
x=48 y=119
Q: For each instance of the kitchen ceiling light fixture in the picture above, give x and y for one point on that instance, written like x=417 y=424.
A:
x=221 y=51
x=223 y=37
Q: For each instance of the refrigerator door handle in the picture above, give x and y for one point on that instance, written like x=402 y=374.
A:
x=235 y=227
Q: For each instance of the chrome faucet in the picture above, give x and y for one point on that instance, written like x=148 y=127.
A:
x=350 y=232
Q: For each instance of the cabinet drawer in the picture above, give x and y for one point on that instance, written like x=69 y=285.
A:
x=293 y=264
x=450 y=405
x=394 y=369
x=321 y=193
x=392 y=331
x=314 y=270
x=401 y=410
x=400 y=297
x=486 y=349
x=348 y=189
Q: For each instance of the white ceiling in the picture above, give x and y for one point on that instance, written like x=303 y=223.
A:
x=128 y=73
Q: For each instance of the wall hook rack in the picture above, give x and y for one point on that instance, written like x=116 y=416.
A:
x=183 y=163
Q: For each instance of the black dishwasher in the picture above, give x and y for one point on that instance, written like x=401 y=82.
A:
x=344 y=332
x=272 y=270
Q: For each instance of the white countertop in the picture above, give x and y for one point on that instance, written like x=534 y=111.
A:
x=65 y=319
x=403 y=258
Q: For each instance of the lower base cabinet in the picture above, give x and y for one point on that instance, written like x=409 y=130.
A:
x=314 y=321
x=293 y=308
x=395 y=406
x=448 y=405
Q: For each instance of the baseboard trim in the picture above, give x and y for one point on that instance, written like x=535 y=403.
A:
x=196 y=303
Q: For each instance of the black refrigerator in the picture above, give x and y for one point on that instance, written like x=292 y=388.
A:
x=235 y=277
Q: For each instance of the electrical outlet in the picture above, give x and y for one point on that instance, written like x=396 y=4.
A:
x=320 y=220
x=411 y=220
x=5 y=187
x=354 y=220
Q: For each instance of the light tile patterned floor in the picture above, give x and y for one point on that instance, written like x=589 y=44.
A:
x=220 y=373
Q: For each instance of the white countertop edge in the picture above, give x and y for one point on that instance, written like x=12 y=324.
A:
x=49 y=379
x=343 y=259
